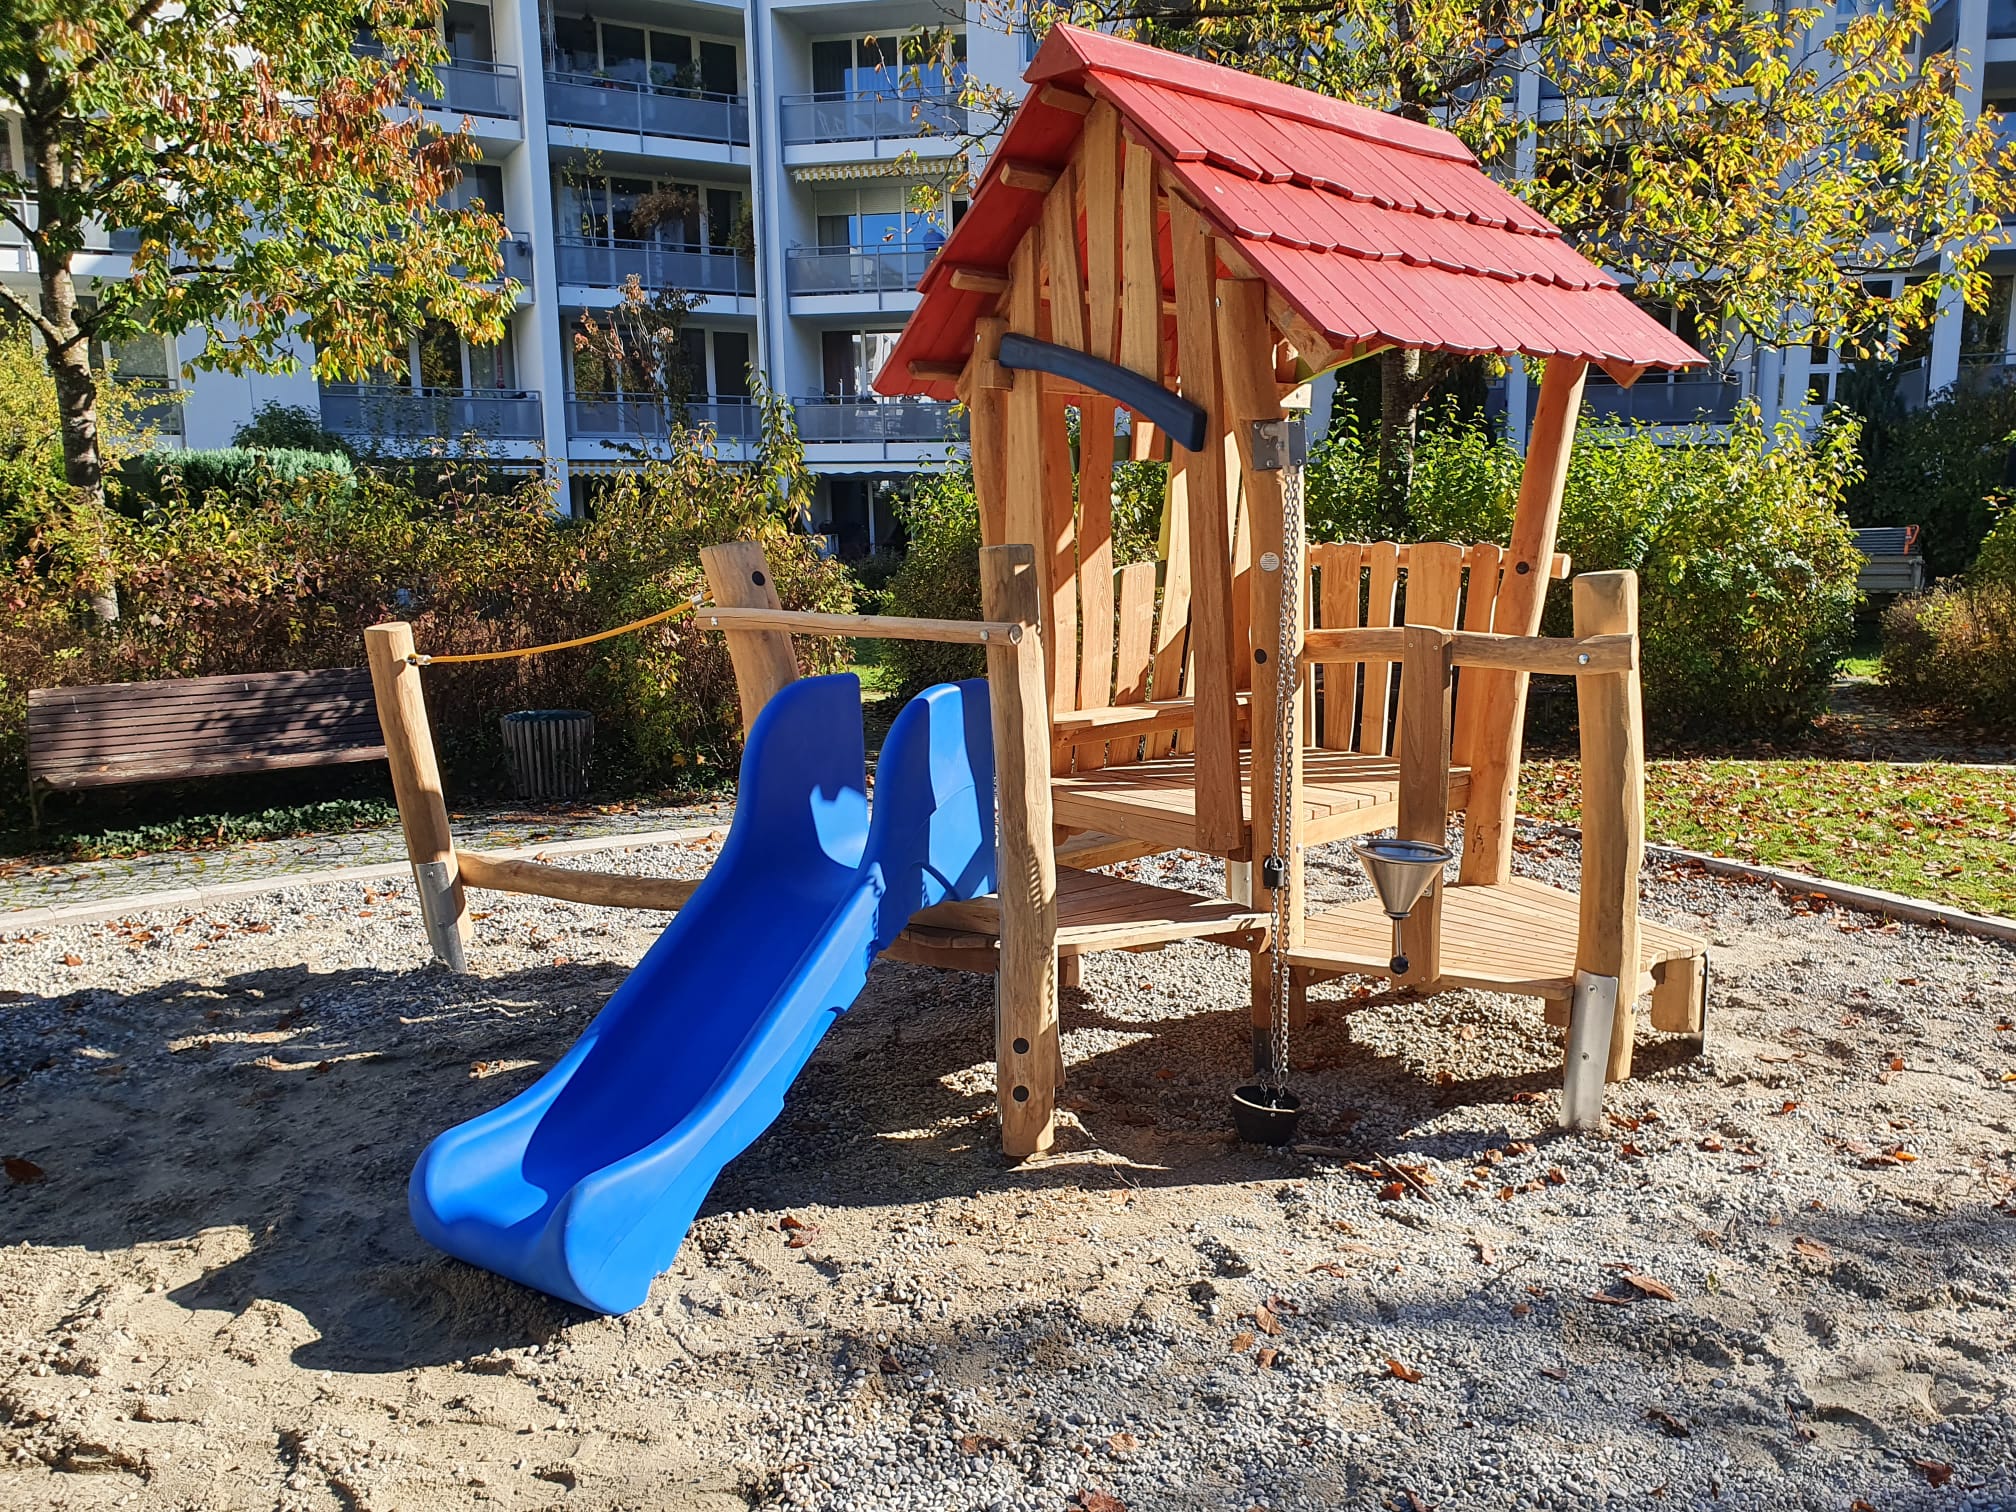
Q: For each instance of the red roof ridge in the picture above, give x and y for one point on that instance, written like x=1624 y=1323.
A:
x=1069 y=50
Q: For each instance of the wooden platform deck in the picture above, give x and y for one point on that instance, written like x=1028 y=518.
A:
x=1094 y=912
x=1343 y=794
x=1518 y=937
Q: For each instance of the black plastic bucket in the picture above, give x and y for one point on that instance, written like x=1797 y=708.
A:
x=548 y=751
x=1264 y=1117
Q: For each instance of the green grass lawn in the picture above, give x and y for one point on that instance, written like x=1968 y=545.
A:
x=1944 y=833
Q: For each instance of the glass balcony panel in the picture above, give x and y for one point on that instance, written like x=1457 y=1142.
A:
x=611 y=105
x=611 y=264
x=868 y=117
x=384 y=413
x=634 y=417
x=857 y=270
x=905 y=420
x=1684 y=399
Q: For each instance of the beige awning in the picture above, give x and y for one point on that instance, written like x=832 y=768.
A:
x=934 y=170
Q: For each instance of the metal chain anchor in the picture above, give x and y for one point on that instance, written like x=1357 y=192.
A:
x=1282 y=446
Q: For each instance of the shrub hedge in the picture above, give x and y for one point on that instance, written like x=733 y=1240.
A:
x=1954 y=648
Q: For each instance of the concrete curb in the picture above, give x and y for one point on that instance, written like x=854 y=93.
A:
x=223 y=893
x=1848 y=894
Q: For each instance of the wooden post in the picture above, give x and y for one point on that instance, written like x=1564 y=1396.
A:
x=1220 y=816
x=1501 y=696
x=416 y=784
x=1613 y=805
x=987 y=397
x=1423 y=751
x=739 y=578
x=1027 y=1050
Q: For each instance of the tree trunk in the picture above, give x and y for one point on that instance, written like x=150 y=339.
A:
x=1400 y=394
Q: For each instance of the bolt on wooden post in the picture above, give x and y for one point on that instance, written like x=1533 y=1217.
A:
x=416 y=784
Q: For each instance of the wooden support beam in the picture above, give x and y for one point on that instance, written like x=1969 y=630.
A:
x=739 y=578
x=1246 y=375
x=1095 y=565
x=1220 y=811
x=1023 y=509
x=1549 y=655
x=1058 y=561
x=978 y=281
x=605 y=889
x=1609 y=706
x=1423 y=753
x=1064 y=99
x=938 y=372
x=1501 y=707
x=1099 y=172
x=1027 y=1050
x=1679 y=993
x=987 y=402
x=1031 y=176
x=416 y=786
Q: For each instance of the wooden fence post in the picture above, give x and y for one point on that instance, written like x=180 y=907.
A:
x=1027 y=1053
x=1423 y=752
x=1613 y=805
x=739 y=578
x=416 y=784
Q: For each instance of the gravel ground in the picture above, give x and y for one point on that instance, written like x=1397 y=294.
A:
x=210 y=1296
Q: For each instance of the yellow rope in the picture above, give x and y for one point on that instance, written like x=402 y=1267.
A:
x=691 y=604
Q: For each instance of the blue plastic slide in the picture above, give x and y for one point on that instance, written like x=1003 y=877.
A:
x=585 y=1183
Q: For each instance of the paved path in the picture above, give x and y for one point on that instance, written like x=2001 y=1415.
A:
x=26 y=885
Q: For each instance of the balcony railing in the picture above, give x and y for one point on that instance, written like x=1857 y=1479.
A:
x=611 y=264
x=157 y=406
x=869 y=117
x=1684 y=399
x=855 y=270
x=826 y=419
x=647 y=110
x=634 y=417
x=373 y=412
x=469 y=86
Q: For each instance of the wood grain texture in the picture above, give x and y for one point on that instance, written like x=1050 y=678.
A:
x=416 y=787
x=1099 y=169
x=1060 y=262
x=1482 y=562
x=1059 y=562
x=1134 y=650
x=1141 y=281
x=1382 y=581
x=605 y=889
x=1423 y=751
x=988 y=405
x=1340 y=590
x=1095 y=565
x=739 y=578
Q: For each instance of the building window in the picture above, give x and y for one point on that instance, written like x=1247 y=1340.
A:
x=880 y=215
x=913 y=65
x=712 y=364
x=851 y=359
x=669 y=61
x=438 y=359
x=481 y=187
x=691 y=217
x=465 y=29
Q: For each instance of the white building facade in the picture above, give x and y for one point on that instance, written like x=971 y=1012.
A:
x=766 y=157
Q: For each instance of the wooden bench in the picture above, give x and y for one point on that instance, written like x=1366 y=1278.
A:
x=112 y=734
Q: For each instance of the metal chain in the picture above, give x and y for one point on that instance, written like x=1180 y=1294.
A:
x=1287 y=675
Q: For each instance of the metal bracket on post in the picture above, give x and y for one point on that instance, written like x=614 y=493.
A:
x=435 y=881
x=1278 y=444
x=1591 y=1014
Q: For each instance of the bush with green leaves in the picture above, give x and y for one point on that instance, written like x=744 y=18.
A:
x=157 y=478
x=1746 y=567
x=1954 y=649
x=288 y=427
x=939 y=578
x=288 y=576
x=1944 y=468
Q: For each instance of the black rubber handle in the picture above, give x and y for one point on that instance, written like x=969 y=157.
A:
x=1183 y=420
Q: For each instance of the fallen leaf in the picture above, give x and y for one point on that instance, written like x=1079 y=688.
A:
x=890 y=1365
x=1555 y=1176
x=1266 y=1322
x=1520 y=1309
x=1651 y=1287
x=1402 y=1372
x=1486 y=1253
x=23 y=1172
x=1100 y=1501
x=1936 y=1472
x=1712 y=1145
x=1554 y=1372
x=1673 y=1426
x=1393 y=1191
x=1266 y=1358
x=1859 y=1505
x=1789 y=1107
x=1242 y=1341
x=1330 y=1268
x=1812 y=1249
x=978 y=1443
x=73 y=960
x=1610 y=1299
x=788 y=1222
x=1896 y=1063
x=322 y=1068
x=1122 y=1443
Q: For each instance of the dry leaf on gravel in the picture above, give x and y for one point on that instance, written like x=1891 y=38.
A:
x=1266 y=1358
x=1812 y=1249
x=1242 y=1341
x=1672 y=1426
x=1100 y=1501
x=1330 y=1268
x=1122 y=1443
x=1266 y=1322
x=1554 y=1372
x=1402 y=1372
x=1487 y=1254
x=978 y=1443
x=1936 y=1472
x=1651 y=1286
x=73 y=960
x=23 y=1172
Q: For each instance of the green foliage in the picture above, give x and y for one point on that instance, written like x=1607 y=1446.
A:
x=203 y=831
x=1943 y=467
x=1746 y=568
x=1138 y=491
x=939 y=578
x=288 y=576
x=1954 y=648
x=287 y=427
x=157 y=478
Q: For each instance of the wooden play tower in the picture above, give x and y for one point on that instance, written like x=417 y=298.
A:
x=1194 y=244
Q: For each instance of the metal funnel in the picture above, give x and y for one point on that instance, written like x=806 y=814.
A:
x=1401 y=871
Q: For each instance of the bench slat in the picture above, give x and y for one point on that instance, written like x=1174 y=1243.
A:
x=222 y=766
x=356 y=680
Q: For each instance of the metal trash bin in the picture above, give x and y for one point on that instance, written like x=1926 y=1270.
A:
x=548 y=751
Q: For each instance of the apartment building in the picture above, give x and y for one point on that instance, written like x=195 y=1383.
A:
x=765 y=156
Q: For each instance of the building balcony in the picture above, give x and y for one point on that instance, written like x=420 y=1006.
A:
x=1683 y=399
x=643 y=417
x=612 y=264
x=869 y=117
x=855 y=270
x=404 y=416
x=157 y=407
x=824 y=420
x=646 y=110
x=469 y=86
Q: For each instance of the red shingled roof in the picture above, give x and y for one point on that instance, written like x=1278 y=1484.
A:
x=1372 y=227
